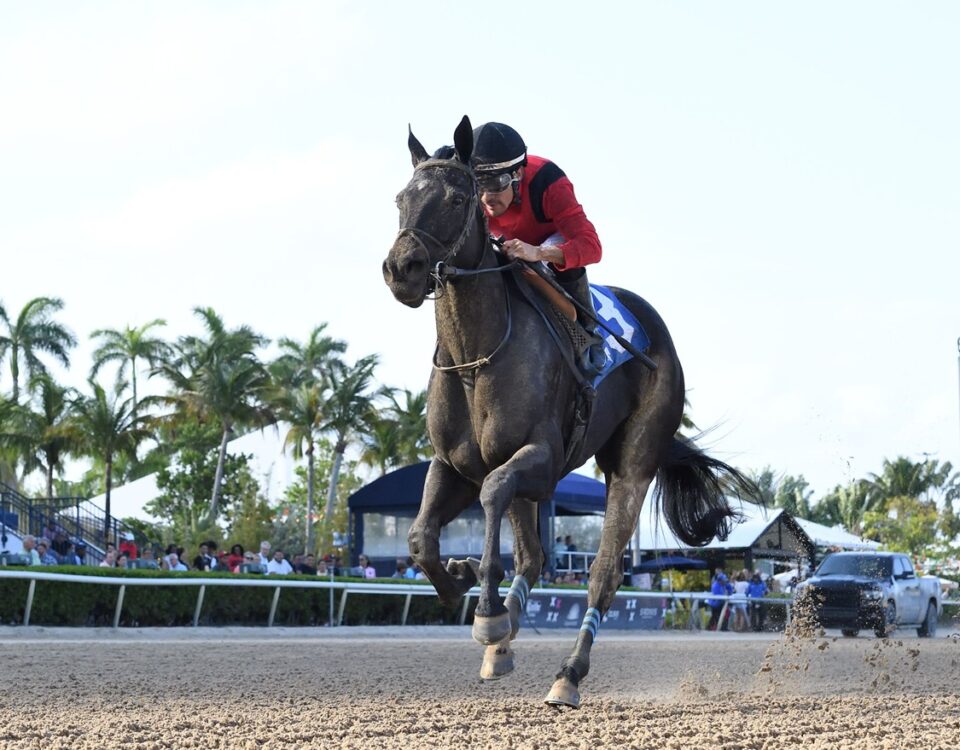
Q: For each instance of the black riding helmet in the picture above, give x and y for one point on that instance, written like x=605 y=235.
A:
x=498 y=152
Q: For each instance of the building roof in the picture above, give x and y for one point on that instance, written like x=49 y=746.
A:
x=400 y=492
x=835 y=536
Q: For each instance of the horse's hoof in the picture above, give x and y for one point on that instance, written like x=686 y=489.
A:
x=497 y=661
x=563 y=693
x=491 y=630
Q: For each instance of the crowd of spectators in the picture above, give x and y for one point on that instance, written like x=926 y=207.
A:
x=744 y=610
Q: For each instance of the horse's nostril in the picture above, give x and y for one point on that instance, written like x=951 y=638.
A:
x=415 y=266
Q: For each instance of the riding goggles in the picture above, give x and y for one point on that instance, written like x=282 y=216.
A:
x=493 y=183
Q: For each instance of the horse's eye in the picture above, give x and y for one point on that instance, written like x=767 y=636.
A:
x=458 y=200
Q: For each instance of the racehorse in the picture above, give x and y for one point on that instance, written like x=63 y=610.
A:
x=501 y=403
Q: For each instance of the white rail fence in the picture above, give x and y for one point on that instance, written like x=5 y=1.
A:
x=358 y=587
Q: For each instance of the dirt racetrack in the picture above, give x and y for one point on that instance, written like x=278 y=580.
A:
x=417 y=687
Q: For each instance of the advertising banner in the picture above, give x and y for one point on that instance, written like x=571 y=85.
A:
x=560 y=611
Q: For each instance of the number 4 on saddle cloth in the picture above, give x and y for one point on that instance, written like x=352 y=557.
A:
x=620 y=321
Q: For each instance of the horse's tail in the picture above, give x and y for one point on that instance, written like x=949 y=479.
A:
x=691 y=492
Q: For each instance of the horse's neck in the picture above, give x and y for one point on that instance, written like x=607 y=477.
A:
x=472 y=315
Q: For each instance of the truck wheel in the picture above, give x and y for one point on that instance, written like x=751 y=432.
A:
x=849 y=632
x=889 y=622
x=929 y=627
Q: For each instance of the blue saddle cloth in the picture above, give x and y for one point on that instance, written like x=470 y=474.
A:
x=618 y=318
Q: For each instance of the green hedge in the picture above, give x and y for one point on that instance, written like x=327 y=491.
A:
x=63 y=603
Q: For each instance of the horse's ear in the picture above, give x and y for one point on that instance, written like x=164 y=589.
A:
x=417 y=152
x=463 y=140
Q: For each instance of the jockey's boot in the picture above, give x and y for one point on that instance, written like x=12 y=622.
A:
x=574 y=282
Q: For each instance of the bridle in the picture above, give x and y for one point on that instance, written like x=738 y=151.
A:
x=445 y=270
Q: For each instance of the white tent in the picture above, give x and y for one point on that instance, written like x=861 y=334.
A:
x=760 y=529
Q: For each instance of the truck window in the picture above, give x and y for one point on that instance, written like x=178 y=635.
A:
x=902 y=567
x=866 y=566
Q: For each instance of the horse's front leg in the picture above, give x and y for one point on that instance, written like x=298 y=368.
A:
x=445 y=496
x=528 y=561
x=529 y=473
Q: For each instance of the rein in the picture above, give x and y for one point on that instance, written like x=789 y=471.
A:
x=445 y=270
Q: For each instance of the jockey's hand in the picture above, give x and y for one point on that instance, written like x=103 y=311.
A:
x=520 y=250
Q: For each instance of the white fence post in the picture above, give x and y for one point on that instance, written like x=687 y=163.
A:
x=116 y=614
x=196 y=611
x=29 y=607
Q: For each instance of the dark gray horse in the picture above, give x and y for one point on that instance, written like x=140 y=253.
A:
x=501 y=403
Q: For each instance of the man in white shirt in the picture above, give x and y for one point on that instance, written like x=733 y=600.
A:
x=278 y=565
x=265 y=553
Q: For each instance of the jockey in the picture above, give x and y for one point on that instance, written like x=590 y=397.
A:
x=530 y=201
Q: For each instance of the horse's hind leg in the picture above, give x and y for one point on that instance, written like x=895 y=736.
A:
x=625 y=494
x=528 y=561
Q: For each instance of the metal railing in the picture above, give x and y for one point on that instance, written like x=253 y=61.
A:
x=77 y=517
x=407 y=590
x=345 y=588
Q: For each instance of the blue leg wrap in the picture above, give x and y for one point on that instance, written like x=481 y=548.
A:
x=520 y=589
x=591 y=622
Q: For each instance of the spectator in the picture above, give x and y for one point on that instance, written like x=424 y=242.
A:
x=123 y=560
x=401 y=571
x=307 y=566
x=322 y=569
x=366 y=569
x=757 y=589
x=568 y=540
x=128 y=546
x=741 y=621
x=265 y=553
x=147 y=560
x=235 y=558
x=47 y=555
x=411 y=573
x=69 y=556
x=249 y=558
x=30 y=549
x=172 y=562
x=109 y=559
x=49 y=531
x=558 y=549
x=719 y=586
x=204 y=560
x=60 y=544
x=279 y=566
x=81 y=553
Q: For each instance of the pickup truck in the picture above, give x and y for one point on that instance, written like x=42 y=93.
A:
x=876 y=590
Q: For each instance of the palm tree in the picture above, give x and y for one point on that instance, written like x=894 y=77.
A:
x=41 y=436
x=126 y=346
x=219 y=378
x=106 y=426
x=904 y=478
x=382 y=444
x=33 y=332
x=309 y=361
x=301 y=407
x=345 y=411
x=410 y=416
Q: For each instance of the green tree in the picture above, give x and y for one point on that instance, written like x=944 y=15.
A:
x=125 y=347
x=845 y=505
x=793 y=494
x=105 y=426
x=382 y=444
x=309 y=362
x=408 y=410
x=34 y=332
x=907 y=524
x=290 y=514
x=41 y=435
x=346 y=412
x=926 y=480
x=219 y=378
x=302 y=408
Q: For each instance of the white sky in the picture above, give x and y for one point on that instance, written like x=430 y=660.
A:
x=779 y=179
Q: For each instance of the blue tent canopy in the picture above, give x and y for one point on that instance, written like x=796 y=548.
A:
x=670 y=562
x=400 y=491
